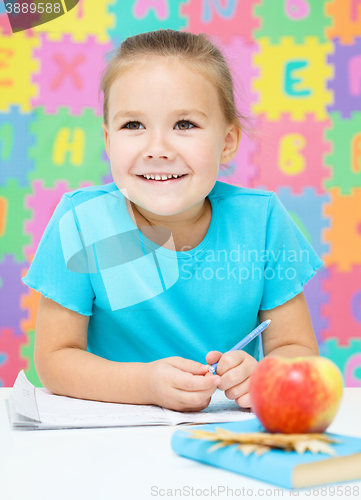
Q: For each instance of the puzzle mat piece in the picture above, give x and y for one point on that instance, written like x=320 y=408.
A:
x=307 y=209
x=296 y=18
x=293 y=78
x=344 y=233
x=223 y=19
x=241 y=171
x=69 y=74
x=10 y=361
x=17 y=64
x=141 y=16
x=346 y=84
x=290 y=153
x=29 y=303
x=5 y=27
x=348 y=359
x=68 y=148
x=346 y=20
x=343 y=310
x=15 y=140
x=88 y=18
x=27 y=353
x=13 y=216
x=316 y=297
x=11 y=288
x=42 y=201
x=345 y=159
x=107 y=178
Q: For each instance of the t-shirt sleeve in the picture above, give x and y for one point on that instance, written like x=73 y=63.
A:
x=290 y=260
x=48 y=272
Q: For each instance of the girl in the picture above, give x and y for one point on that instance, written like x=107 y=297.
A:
x=145 y=278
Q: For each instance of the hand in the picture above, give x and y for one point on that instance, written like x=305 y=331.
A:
x=235 y=369
x=179 y=384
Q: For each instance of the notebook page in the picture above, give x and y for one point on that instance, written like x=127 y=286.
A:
x=23 y=397
x=220 y=409
x=57 y=411
x=62 y=410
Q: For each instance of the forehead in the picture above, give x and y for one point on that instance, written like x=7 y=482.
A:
x=165 y=81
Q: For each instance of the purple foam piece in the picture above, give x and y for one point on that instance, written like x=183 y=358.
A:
x=347 y=82
x=315 y=297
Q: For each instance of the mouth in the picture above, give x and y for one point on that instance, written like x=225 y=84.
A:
x=169 y=180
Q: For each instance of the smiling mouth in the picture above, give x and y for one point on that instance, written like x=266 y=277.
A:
x=170 y=179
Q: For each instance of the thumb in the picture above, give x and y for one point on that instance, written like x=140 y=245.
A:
x=188 y=365
x=213 y=357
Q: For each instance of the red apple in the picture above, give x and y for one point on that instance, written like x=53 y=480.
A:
x=296 y=395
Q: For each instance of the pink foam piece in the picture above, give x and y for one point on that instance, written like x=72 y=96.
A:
x=343 y=311
x=270 y=174
x=43 y=201
x=225 y=19
x=69 y=74
x=239 y=56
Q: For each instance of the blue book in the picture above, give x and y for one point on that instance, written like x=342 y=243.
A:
x=286 y=469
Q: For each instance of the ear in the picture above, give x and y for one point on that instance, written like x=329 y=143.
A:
x=106 y=139
x=231 y=143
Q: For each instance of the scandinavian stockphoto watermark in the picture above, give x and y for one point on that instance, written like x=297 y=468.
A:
x=243 y=264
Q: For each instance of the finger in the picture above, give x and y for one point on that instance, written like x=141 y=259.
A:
x=213 y=357
x=239 y=390
x=187 y=382
x=188 y=365
x=244 y=401
x=236 y=376
x=229 y=360
x=194 y=401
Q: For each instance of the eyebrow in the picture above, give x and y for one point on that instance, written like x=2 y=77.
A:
x=130 y=114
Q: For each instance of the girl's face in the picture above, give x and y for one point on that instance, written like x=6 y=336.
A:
x=165 y=120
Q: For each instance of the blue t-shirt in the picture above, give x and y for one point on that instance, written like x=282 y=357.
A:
x=147 y=302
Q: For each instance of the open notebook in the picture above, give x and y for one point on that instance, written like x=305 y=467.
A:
x=37 y=408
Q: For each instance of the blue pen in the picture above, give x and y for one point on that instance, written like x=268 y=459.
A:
x=213 y=368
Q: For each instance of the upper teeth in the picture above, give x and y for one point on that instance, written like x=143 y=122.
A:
x=163 y=177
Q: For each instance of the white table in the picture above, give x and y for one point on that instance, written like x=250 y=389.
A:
x=131 y=463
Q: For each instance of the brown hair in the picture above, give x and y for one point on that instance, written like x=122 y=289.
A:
x=198 y=52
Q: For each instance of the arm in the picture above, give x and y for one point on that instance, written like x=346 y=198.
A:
x=290 y=333
x=66 y=368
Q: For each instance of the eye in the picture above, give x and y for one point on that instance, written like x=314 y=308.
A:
x=131 y=128
x=129 y=125
x=186 y=121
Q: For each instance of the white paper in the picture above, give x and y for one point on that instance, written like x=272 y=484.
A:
x=37 y=408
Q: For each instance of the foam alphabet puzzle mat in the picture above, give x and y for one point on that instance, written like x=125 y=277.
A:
x=297 y=71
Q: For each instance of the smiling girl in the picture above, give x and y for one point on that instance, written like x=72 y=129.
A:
x=148 y=277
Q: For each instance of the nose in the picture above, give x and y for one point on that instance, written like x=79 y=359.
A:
x=158 y=148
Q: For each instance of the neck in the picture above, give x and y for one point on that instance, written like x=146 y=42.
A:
x=176 y=223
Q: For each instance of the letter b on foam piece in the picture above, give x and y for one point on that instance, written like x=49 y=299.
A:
x=132 y=270
x=290 y=160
